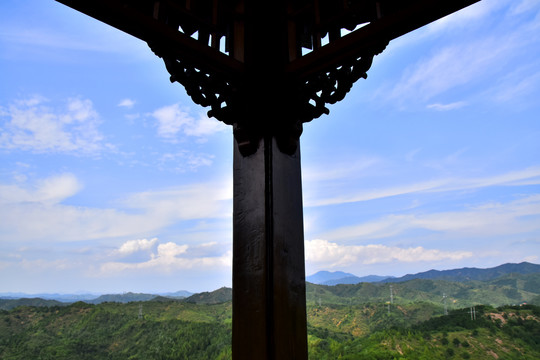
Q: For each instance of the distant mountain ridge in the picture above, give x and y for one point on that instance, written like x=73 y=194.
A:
x=122 y=298
x=459 y=275
x=340 y=277
x=325 y=278
x=67 y=298
x=8 y=304
x=95 y=298
x=470 y=274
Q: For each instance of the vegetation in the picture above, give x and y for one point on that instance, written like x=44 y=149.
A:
x=181 y=330
x=344 y=322
x=166 y=330
x=508 y=289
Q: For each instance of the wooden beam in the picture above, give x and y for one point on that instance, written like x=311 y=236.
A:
x=414 y=15
x=157 y=34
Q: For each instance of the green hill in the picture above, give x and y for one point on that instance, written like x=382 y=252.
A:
x=218 y=296
x=509 y=289
x=468 y=274
x=122 y=298
x=166 y=330
x=8 y=304
x=503 y=333
x=180 y=330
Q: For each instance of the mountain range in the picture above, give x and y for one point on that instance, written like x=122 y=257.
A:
x=507 y=283
x=340 y=277
x=459 y=275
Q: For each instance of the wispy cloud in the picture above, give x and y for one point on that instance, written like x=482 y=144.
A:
x=184 y=160
x=339 y=170
x=466 y=16
x=518 y=86
x=31 y=125
x=193 y=201
x=43 y=37
x=524 y=6
x=468 y=60
x=32 y=39
x=488 y=220
x=35 y=212
x=51 y=190
x=447 y=107
x=453 y=66
x=530 y=176
x=330 y=255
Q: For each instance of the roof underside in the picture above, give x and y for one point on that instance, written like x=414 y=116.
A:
x=317 y=34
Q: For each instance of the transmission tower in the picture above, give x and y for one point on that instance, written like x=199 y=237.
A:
x=391 y=295
x=140 y=312
x=445 y=307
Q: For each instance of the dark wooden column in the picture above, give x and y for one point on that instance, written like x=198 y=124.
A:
x=269 y=302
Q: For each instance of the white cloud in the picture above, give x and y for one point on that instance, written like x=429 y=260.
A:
x=204 y=126
x=171 y=257
x=127 y=103
x=171 y=250
x=170 y=120
x=174 y=120
x=330 y=255
x=31 y=126
x=132 y=246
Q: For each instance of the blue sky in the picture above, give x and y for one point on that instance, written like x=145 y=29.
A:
x=112 y=180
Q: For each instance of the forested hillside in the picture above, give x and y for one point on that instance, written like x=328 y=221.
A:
x=164 y=330
x=509 y=289
x=468 y=274
x=503 y=333
x=404 y=320
x=180 y=330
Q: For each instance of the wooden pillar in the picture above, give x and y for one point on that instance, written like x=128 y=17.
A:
x=269 y=302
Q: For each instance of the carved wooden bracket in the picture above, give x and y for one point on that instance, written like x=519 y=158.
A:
x=302 y=100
